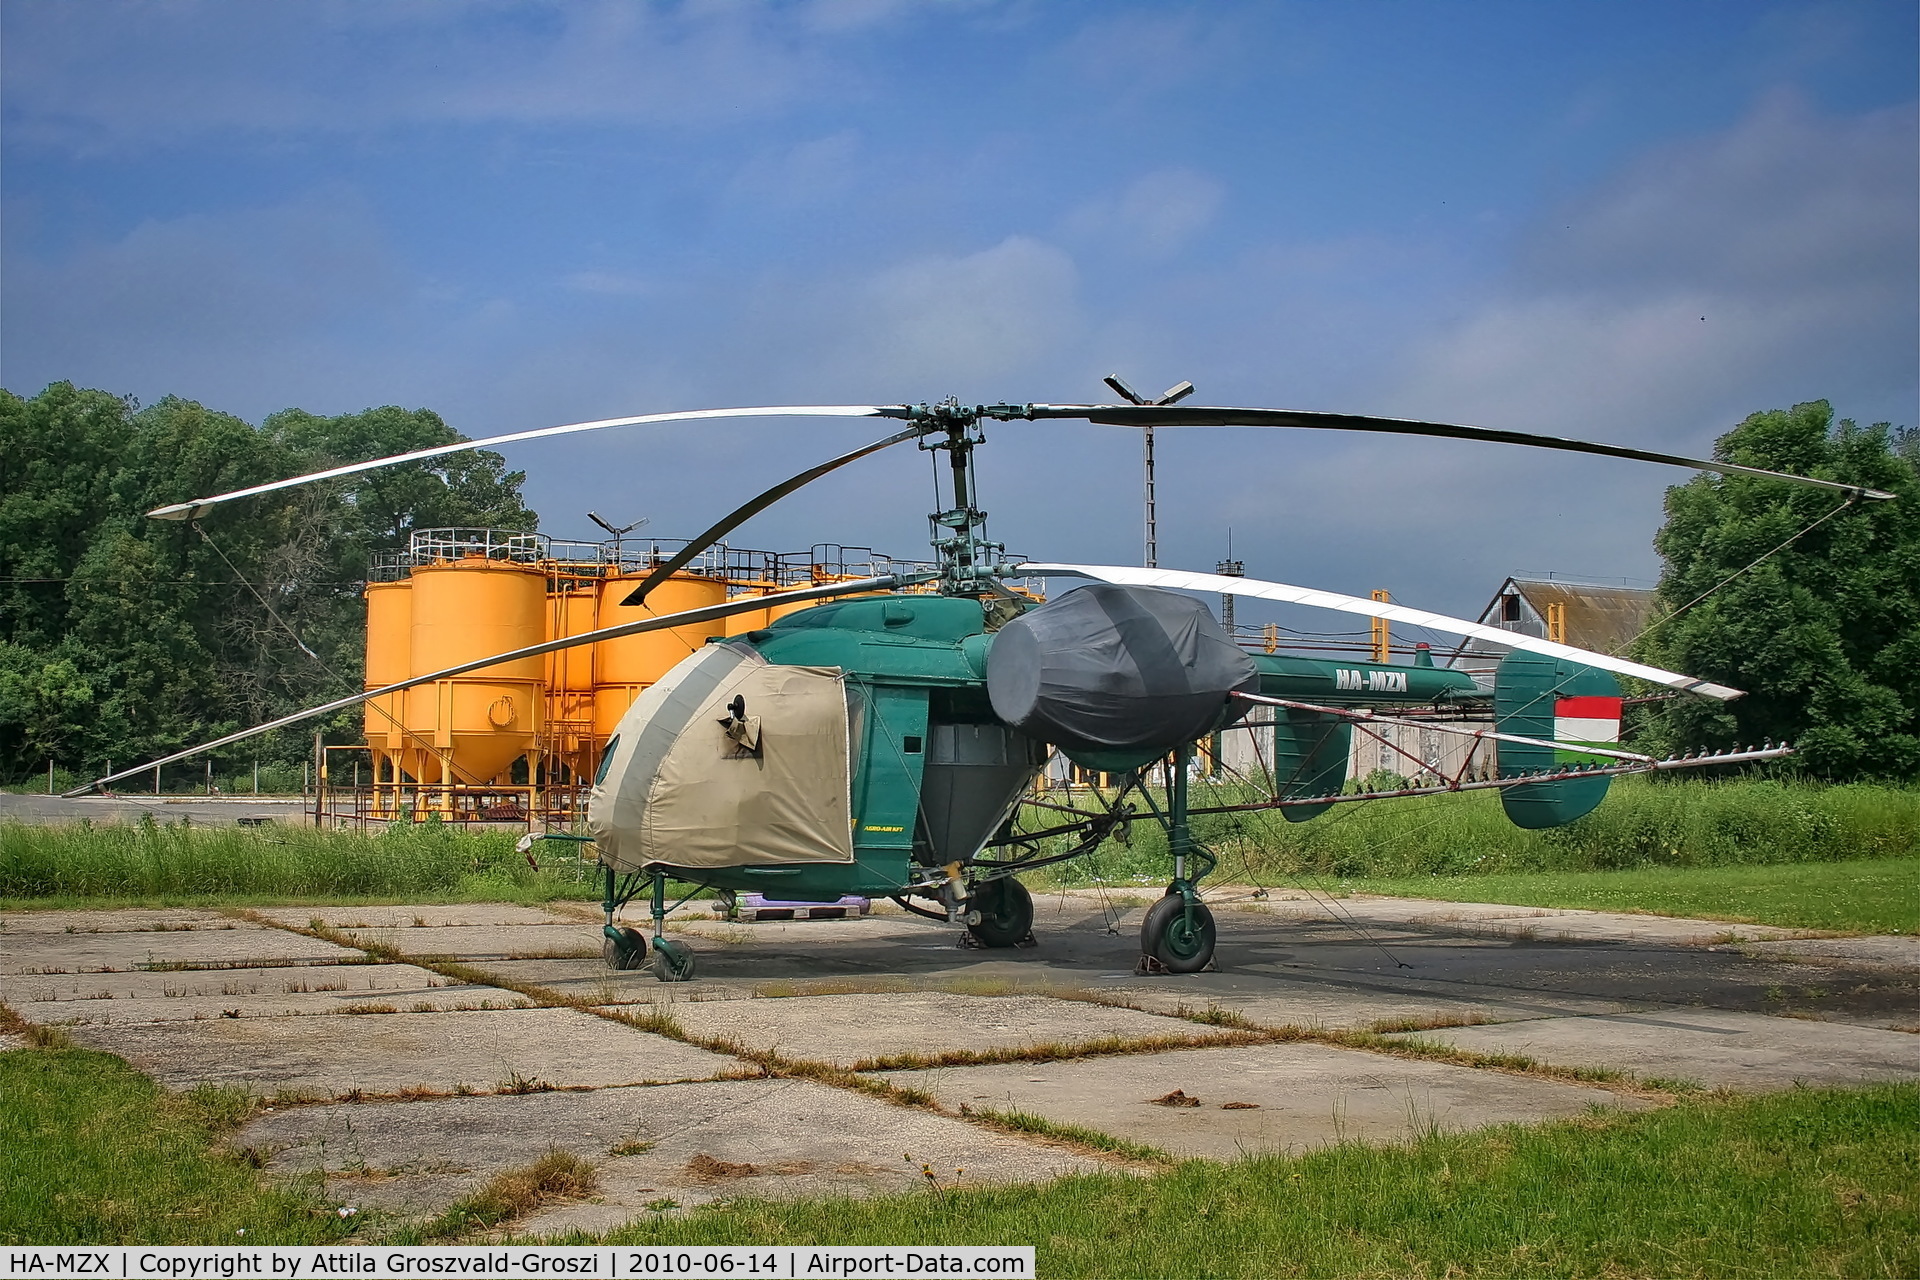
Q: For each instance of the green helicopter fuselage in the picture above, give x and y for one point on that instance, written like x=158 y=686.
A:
x=916 y=671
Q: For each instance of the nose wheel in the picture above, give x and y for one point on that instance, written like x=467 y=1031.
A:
x=1000 y=913
x=623 y=947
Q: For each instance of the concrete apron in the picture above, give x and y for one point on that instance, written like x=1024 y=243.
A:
x=445 y=1099
x=1259 y=1098
x=670 y=1147
x=1713 y=1048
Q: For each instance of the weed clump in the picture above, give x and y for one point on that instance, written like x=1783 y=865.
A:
x=557 y=1175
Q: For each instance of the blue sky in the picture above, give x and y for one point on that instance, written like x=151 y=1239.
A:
x=1631 y=222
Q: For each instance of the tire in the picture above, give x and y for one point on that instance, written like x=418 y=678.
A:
x=672 y=961
x=628 y=952
x=1005 y=909
x=1165 y=935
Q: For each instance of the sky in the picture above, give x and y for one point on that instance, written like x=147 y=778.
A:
x=1627 y=222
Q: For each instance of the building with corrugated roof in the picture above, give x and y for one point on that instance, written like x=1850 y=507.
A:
x=1586 y=615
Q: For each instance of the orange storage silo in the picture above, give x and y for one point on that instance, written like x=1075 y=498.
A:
x=569 y=674
x=389 y=637
x=623 y=667
x=479 y=723
x=752 y=619
x=820 y=579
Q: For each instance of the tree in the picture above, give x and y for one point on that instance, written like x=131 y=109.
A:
x=123 y=637
x=1823 y=634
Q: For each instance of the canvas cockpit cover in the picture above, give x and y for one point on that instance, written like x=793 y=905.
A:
x=1105 y=667
x=679 y=790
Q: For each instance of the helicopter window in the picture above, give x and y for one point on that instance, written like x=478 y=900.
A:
x=911 y=745
x=606 y=760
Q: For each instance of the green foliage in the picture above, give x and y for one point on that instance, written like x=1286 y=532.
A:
x=1811 y=1182
x=1824 y=635
x=122 y=637
x=149 y=861
x=93 y=1152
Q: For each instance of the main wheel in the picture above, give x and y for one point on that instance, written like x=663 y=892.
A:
x=1001 y=913
x=672 y=961
x=628 y=952
x=1167 y=937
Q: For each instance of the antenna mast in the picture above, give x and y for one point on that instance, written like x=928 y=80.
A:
x=1172 y=395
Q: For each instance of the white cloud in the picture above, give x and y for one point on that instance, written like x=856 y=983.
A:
x=1156 y=214
x=994 y=316
x=615 y=283
x=812 y=172
x=204 y=300
x=1771 y=263
x=76 y=78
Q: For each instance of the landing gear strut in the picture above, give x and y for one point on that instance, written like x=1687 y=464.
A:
x=1178 y=935
x=672 y=961
x=625 y=947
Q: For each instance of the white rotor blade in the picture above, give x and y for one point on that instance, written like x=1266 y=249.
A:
x=1178 y=580
x=198 y=507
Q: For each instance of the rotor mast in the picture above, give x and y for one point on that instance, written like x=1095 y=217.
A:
x=969 y=564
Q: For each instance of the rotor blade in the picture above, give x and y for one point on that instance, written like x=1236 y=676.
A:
x=742 y=604
x=198 y=507
x=740 y=516
x=1127 y=415
x=1178 y=580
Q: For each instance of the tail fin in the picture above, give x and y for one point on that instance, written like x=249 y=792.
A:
x=1537 y=696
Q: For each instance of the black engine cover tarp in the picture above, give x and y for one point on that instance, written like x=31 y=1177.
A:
x=1108 y=667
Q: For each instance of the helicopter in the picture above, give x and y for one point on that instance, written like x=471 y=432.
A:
x=879 y=745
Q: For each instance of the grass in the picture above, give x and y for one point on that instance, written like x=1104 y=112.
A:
x=557 y=1175
x=93 y=1152
x=1881 y=896
x=1804 y=1183
x=1689 y=823
x=1692 y=823
x=173 y=864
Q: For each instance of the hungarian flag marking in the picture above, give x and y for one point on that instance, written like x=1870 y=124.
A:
x=1590 y=720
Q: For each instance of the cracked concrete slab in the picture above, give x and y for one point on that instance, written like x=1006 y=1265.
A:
x=847 y=1030
x=1274 y=970
x=1260 y=1098
x=674 y=1145
x=479 y=942
x=1557 y=923
x=1713 y=1047
x=403 y=917
x=241 y=946
x=118 y=920
x=244 y=993
x=397 y=1052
